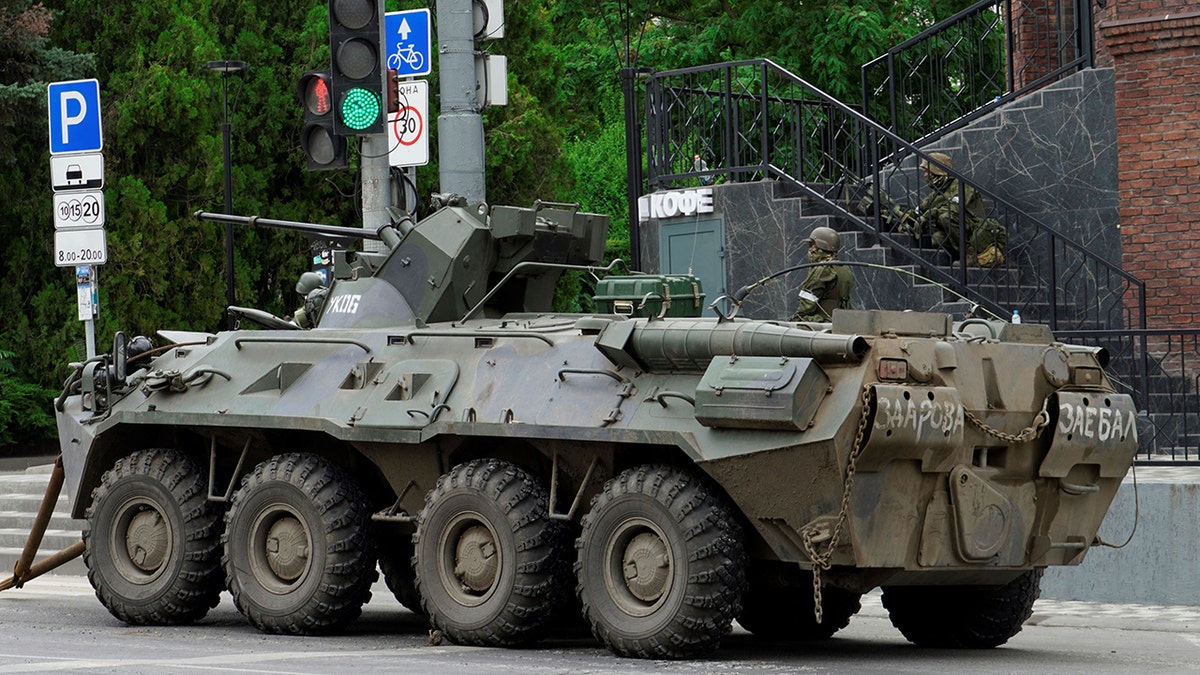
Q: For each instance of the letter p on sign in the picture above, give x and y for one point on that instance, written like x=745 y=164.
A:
x=74 y=111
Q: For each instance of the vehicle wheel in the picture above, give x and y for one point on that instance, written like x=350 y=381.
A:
x=661 y=565
x=152 y=547
x=488 y=558
x=970 y=617
x=778 y=605
x=297 y=557
x=395 y=561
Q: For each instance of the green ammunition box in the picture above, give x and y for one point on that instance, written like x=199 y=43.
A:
x=650 y=295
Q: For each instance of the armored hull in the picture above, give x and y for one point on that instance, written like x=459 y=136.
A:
x=662 y=475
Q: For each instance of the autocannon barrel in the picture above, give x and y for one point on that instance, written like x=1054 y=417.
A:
x=692 y=344
x=297 y=226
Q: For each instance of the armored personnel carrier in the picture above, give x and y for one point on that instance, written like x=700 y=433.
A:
x=659 y=473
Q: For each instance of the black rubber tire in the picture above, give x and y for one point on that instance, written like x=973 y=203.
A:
x=315 y=574
x=686 y=598
x=779 y=606
x=152 y=547
x=488 y=558
x=395 y=561
x=963 y=617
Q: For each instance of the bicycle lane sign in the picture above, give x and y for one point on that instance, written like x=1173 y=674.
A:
x=408 y=42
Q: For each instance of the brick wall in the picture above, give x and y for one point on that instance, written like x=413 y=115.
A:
x=1154 y=50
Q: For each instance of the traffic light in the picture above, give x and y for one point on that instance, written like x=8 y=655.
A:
x=393 y=92
x=355 y=43
x=323 y=148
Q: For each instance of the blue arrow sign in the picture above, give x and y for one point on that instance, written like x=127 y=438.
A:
x=74 y=116
x=408 y=42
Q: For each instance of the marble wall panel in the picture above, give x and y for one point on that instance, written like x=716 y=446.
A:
x=1052 y=154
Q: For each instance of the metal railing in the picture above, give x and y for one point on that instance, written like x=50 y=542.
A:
x=753 y=120
x=1160 y=368
x=963 y=67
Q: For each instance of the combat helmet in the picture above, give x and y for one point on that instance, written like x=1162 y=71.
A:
x=309 y=282
x=826 y=239
x=940 y=157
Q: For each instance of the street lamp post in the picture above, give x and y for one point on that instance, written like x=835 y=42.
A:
x=633 y=158
x=227 y=68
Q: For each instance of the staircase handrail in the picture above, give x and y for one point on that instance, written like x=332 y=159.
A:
x=837 y=168
x=964 y=104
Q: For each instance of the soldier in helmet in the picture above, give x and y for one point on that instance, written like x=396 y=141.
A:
x=939 y=214
x=312 y=286
x=827 y=287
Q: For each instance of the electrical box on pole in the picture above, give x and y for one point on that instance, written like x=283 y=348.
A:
x=357 y=74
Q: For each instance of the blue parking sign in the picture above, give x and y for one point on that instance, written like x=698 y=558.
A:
x=74 y=116
x=408 y=42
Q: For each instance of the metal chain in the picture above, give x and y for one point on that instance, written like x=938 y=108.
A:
x=808 y=536
x=1029 y=433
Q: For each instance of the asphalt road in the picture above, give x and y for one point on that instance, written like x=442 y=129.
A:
x=56 y=624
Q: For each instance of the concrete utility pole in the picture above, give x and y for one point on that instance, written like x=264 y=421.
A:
x=460 y=125
x=375 y=185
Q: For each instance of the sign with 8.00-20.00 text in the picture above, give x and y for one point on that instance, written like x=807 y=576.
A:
x=80 y=247
x=77 y=172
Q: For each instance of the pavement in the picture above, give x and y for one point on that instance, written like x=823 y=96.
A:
x=1046 y=612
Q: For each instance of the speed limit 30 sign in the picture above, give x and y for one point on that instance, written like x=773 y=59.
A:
x=408 y=128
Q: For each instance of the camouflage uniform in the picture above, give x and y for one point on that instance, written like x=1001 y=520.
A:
x=939 y=215
x=825 y=289
x=310 y=286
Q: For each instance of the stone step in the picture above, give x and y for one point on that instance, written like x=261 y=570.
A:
x=21 y=494
x=15 y=537
x=60 y=520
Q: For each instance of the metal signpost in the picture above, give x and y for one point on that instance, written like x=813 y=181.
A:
x=408 y=45
x=77 y=176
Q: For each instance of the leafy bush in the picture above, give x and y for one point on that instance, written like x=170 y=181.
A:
x=26 y=413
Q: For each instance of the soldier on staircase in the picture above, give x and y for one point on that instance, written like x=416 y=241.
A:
x=939 y=214
x=827 y=287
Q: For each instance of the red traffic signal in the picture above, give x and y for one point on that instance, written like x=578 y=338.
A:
x=323 y=148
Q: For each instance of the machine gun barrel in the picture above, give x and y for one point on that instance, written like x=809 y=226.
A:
x=691 y=345
x=296 y=226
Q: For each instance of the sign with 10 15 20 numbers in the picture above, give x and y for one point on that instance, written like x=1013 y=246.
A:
x=78 y=209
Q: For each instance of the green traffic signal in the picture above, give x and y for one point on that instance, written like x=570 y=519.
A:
x=360 y=108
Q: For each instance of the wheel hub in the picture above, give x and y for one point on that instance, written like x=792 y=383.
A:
x=147 y=540
x=287 y=548
x=647 y=567
x=475 y=560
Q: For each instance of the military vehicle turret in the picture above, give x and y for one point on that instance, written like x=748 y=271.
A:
x=662 y=473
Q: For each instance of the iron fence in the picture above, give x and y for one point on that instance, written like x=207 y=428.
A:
x=752 y=120
x=963 y=67
x=1160 y=368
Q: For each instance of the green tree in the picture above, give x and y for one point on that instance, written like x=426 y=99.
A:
x=560 y=138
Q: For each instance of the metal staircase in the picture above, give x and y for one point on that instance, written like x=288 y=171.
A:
x=753 y=121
